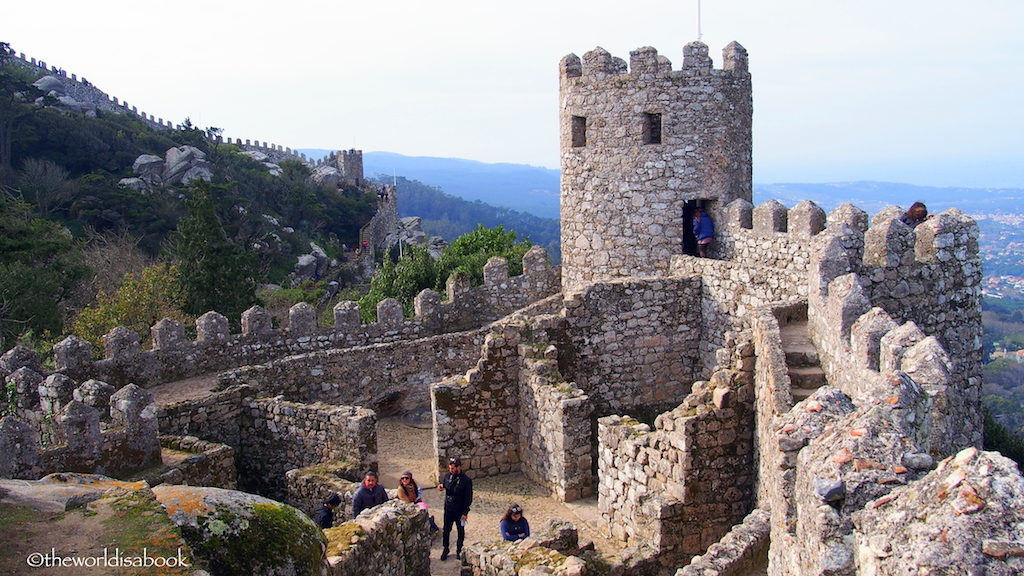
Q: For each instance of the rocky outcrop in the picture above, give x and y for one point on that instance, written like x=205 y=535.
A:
x=180 y=165
x=310 y=267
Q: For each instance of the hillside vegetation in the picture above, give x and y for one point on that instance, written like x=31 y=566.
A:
x=71 y=236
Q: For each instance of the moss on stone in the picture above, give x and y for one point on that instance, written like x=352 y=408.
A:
x=539 y=556
x=341 y=538
x=139 y=522
x=331 y=471
x=274 y=536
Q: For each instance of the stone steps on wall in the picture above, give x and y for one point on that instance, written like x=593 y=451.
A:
x=805 y=373
x=797 y=344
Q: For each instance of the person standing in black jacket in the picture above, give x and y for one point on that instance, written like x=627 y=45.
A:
x=458 y=498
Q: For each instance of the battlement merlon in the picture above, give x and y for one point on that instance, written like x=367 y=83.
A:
x=646 y=62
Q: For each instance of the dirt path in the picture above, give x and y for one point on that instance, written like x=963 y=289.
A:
x=181 y=390
x=401 y=447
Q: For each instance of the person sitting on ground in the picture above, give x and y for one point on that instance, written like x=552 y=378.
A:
x=370 y=494
x=916 y=214
x=324 y=515
x=514 y=525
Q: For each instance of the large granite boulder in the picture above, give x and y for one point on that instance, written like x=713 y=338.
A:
x=235 y=532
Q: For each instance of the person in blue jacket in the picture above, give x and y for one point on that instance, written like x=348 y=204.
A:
x=370 y=494
x=704 y=230
x=514 y=525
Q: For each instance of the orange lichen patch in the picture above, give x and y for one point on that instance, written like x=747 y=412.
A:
x=858 y=431
x=900 y=469
x=893 y=400
x=842 y=456
x=968 y=500
x=813 y=406
x=185 y=499
x=944 y=535
x=788 y=428
x=859 y=464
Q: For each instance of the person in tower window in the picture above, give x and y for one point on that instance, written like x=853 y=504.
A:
x=704 y=230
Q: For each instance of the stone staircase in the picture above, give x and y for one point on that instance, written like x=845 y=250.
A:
x=805 y=373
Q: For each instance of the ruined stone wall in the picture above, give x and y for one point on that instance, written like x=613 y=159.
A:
x=392 y=538
x=634 y=342
x=278 y=436
x=308 y=487
x=211 y=464
x=173 y=357
x=637 y=145
x=551 y=549
x=554 y=422
x=681 y=487
x=743 y=551
x=216 y=417
x=773 y=396
x=476 y=416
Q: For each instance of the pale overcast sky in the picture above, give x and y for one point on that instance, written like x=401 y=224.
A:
x=916 y=91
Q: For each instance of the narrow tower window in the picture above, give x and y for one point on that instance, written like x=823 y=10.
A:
x=579 y=131
x=652 y=128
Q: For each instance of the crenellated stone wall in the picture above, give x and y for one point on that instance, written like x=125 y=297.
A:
x=126 y=442
x=887 y=293
x=173 y=357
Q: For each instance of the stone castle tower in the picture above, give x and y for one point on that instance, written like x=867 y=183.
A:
x=640 y=149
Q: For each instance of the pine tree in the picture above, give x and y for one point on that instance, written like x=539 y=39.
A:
x=215 y=273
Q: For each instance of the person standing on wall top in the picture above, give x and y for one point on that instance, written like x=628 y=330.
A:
x=370 y=494
x=916 y=214
x=458 y=498
x=514 y=525
x=704 y=230
x=324 y=515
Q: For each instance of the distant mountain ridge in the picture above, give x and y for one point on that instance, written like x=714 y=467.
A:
x=535 y=190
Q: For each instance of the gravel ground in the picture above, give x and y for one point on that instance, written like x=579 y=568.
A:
x=401 y=447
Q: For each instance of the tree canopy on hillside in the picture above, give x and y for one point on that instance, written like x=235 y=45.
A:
x=40 y=263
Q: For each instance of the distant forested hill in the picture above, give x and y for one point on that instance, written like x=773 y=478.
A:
x=449 y=217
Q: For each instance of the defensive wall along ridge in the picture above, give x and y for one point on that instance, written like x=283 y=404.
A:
x=81 y=95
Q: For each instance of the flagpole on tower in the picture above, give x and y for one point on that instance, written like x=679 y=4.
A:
x=699 y=35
